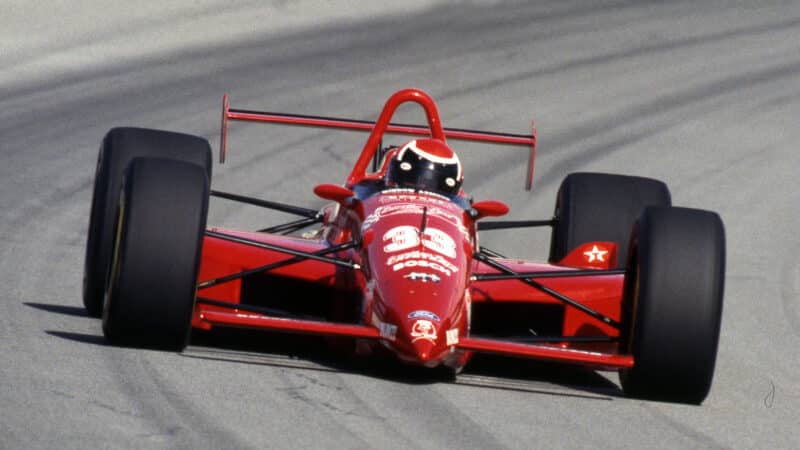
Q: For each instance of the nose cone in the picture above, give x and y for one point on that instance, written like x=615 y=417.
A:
x=424 y=338
x=424 y=350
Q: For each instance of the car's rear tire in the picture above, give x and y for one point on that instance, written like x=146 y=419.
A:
x=672 y=304
x=119 y=147
x=601 y=207
x=156 y=257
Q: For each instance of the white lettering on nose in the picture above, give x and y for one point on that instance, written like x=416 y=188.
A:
x=438 y=259
x=424 y=277
x=420 y=263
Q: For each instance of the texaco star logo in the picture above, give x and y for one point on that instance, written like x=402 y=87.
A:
x=596 y=254
x=423 y=329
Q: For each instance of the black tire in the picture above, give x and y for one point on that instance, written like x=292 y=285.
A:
x=153 y=277
x=601 y=207
x=672 y=304
x=119 y=147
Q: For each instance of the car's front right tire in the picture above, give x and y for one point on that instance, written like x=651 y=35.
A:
x=156 y=257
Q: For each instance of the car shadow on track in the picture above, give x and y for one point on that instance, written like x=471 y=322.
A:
x=80 y=337
x=77 y=311
x=320 y=354
x=305 y=352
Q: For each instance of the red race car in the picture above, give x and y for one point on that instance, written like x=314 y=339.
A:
x=631 y=283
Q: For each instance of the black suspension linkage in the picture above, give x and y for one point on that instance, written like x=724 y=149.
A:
x=558 y=296
x=277 y=264
x=279 y=249
x=297 y=210
x=534 y=339
x=289 y=227
x=491 y=253
x=550 y=274
x=503 y=224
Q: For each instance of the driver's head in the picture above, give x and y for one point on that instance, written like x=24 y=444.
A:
x=427 y=165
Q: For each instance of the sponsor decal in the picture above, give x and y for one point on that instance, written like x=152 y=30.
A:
x=596 y=254
x=420 y=263
x=394 y=259
x=433 y=211
x=423 y=329
x=387 y=330
x=422 y=314
x=390 y=210
x=407 y=195
x=424 y=277
x=452 y=336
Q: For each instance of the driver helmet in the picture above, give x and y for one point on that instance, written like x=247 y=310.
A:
x=426 y=165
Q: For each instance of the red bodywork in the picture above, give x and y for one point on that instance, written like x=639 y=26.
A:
x=413 y=286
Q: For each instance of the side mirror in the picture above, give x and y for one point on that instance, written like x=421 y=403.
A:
x=334 y=192
x=488 y=208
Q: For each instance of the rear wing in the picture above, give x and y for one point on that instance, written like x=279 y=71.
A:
x=371 y=150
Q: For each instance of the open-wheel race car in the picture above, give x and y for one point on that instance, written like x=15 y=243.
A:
x=394 y=262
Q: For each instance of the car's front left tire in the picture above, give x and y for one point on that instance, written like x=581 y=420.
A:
x=672 y=304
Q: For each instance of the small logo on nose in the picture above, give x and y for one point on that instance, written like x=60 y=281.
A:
x=424 y=277
x=423 y=329
x=422 y=314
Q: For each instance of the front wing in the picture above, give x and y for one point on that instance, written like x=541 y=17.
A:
x=233 y=256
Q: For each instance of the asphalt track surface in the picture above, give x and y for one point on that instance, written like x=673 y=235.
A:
x=703 y=95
